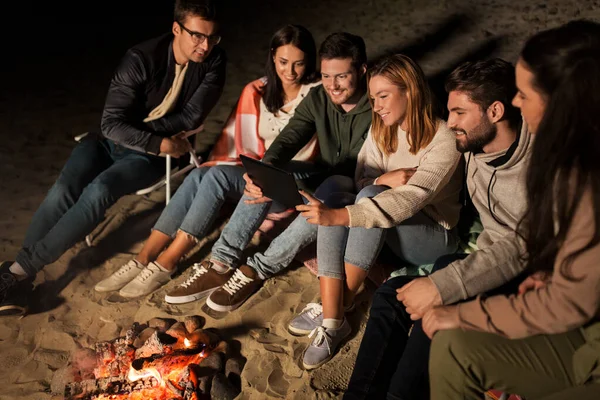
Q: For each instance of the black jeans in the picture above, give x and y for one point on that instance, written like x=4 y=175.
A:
x=391 y=364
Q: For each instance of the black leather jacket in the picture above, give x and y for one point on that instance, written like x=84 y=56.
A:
x=141 y=82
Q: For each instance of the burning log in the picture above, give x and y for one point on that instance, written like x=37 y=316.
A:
x=156 y=362
x=92 y=388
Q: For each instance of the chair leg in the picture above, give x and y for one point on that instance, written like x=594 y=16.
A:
x=168 y=179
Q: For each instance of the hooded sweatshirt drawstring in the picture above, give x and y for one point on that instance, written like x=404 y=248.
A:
x=489 y=189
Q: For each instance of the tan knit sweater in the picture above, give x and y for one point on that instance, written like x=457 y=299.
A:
x=434 y=188
x=558 y=307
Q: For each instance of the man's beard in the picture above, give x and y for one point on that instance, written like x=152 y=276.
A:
x=479 y=137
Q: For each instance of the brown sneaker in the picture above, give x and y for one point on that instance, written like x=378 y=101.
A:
x=203 y=281
x=236 y=291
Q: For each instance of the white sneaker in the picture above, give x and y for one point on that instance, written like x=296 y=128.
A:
x=147 y=281
x=120 y=277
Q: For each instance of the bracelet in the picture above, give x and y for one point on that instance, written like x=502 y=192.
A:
x=375 y=181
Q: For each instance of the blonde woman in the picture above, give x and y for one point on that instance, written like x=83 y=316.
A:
x=408 y=184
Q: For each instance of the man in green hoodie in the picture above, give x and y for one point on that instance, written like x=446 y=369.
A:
x=340 y=112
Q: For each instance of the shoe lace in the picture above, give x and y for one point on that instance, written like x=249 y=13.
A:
x=321 y=336
x=145 y=274
x=126 y=268
x=236 y=282
x=313 y=310
x=198 y=271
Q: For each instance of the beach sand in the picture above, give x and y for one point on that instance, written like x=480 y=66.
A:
x=40 y=115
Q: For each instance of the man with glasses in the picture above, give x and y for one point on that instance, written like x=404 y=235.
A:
x=162 y=87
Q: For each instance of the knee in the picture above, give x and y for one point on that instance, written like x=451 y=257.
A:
x=333 y=184
x=370 y=191
x=447 y=347
x=197 y=175
x=98 y=192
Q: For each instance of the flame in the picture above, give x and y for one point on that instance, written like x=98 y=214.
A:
x=135 y=375
x=187 y=342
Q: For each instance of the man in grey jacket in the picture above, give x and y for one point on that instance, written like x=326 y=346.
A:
x=496 y=143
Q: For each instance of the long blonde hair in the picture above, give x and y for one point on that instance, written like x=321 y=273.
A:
x=421 y=123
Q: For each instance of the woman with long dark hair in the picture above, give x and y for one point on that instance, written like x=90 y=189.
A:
x=264 y=108
x=555 y=317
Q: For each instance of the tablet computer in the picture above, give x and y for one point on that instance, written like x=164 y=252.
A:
x=277 y=184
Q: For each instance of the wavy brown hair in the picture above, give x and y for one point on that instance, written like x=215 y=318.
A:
x=421 y=121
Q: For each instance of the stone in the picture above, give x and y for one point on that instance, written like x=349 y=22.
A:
x=235 y=366
x=54 y=359
x=204 y=383
x=161 y=324
x=60 y=379
x=222 y=389
x=177 y=330
x=193 y=322
x=143 y=336
x=212 y=364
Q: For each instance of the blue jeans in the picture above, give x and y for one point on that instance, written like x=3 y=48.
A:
x=197 y=201
x=96 y=175
x=247 y=218
x=417 y=240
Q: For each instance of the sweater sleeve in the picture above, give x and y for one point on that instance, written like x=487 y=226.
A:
x=483 y=270
x=393 y=206
x=369 y=164
x=561 y=305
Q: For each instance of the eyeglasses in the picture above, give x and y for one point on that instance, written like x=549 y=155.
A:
x=199 y=38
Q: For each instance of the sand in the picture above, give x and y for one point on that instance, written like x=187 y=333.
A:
x=40 y=116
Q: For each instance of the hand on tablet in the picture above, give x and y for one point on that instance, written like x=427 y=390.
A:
x=251 y=190
x=317 y=213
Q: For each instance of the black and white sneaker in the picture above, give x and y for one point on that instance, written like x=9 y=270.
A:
x=13 y=293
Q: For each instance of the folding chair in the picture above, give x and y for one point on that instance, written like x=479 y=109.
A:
x=170 y=173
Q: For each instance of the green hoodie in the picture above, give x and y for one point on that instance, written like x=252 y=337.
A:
x=340 y=134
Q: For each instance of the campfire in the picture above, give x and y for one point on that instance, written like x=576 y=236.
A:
x=159 y=360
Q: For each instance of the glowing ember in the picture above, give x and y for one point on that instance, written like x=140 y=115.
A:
x=186 y=342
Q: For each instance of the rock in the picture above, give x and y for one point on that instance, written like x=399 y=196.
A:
x=161 y=324
x=204 y=383
x=60 y=379
x=143 y=336
x=212 y=364
x=178 y=331
x=234 y=366
x=156 y=344
x=199 y=336
x=54 y=359
x=109 y=331
x=222 y=389
x=212 y=335
x=59 y=341
x=233 y=371
x=222 y=347
x=274 y=348
x=193 y=322
x=265 y=337
x=31 y=372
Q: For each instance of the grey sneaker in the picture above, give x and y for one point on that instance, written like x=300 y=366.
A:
x=310 y=318
x=147 y=281
x=324 y=344
x=120 y=277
